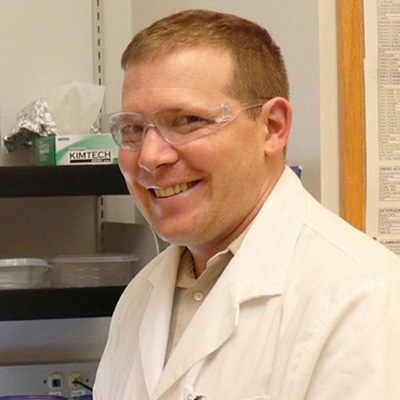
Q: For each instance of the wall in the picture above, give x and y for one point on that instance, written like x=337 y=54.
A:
x=329 y=106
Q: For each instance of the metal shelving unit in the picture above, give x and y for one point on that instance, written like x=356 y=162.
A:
x=32 y=304
x=60 y=303
x=61 y=181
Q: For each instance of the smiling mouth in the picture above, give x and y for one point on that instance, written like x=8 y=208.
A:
x=173 y=190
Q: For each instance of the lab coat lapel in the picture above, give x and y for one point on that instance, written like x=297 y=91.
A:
x=154 y=329
x=210 y=327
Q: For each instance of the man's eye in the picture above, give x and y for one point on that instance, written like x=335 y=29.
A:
x=189 y=123
x=131 y=129
x=192 y=119
x=131 y=135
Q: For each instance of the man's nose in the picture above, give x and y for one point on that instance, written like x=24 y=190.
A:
x=155 y=151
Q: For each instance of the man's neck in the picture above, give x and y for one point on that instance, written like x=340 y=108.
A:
x=202 y=253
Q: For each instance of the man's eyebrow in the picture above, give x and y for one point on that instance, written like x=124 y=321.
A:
x=184 y=107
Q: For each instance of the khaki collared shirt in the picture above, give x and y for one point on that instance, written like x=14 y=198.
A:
x=191 y=292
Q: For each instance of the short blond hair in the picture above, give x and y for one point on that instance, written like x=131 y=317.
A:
x=259 y=69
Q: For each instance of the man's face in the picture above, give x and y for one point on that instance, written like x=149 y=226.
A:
x=218 y=180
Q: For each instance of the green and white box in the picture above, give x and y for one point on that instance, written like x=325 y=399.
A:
x=86 y=149
x=90 y=149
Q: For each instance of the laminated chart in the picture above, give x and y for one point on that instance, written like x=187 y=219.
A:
x=382 y=119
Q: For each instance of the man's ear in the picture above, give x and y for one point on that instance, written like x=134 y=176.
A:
x=277 y=117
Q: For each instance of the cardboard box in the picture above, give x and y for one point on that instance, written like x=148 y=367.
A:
x=90 y=149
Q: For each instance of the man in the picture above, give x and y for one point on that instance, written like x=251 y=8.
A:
x=263 y=294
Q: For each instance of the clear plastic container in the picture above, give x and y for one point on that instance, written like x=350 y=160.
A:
x=24 y=273
x=85 y=270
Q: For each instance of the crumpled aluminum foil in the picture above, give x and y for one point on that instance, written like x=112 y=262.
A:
x=33 y=121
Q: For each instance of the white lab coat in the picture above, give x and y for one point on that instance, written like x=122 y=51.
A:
x=309 y=308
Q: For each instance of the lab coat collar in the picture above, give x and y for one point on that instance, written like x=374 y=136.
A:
x=268 y=247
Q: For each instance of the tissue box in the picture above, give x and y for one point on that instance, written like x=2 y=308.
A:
x=90 y=149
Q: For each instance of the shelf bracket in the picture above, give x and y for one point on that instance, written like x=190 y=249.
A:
x=98 y=63
x=101 y=218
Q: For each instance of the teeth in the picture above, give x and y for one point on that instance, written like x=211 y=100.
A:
x=171 y=190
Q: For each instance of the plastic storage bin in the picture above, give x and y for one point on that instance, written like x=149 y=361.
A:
x=24 y=273
x=85 y=270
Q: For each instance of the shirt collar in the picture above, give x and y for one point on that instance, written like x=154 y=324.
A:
x=220 y=260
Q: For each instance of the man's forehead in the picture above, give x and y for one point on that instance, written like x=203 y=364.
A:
x=197 y=73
